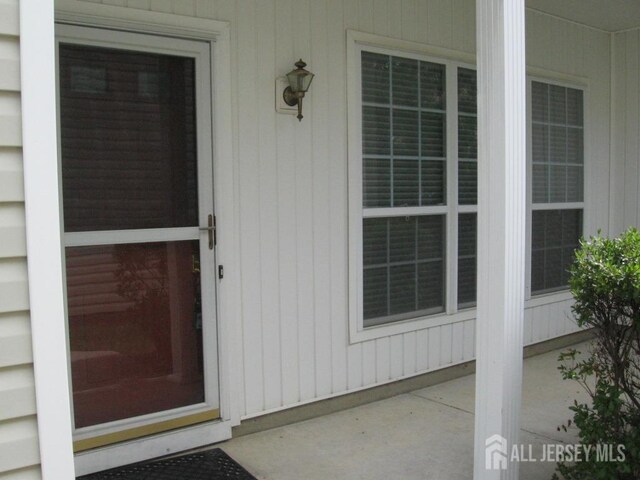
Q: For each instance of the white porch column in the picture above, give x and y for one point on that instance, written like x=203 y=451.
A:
x=501 y=232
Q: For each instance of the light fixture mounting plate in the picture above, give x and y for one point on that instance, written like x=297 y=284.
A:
x=281 y=106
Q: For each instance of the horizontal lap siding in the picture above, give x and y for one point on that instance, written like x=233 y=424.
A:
x=19 y=455
x=292 y=187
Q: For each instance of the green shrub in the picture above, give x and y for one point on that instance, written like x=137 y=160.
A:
x=605 y=282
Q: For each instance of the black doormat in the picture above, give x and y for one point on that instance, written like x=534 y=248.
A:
x=210 y=465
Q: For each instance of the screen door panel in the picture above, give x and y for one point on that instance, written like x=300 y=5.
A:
x=128 y=137
x=130 y=171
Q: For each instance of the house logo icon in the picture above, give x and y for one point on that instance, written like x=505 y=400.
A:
x=495 y=453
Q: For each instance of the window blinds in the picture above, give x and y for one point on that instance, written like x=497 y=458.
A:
x=467 y=137
x=403 y=132
x=403 y=260
x=404 y=155
x=557 y=146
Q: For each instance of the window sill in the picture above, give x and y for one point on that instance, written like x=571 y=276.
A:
x=422 y=323
x=410 y=325
x=548 y=298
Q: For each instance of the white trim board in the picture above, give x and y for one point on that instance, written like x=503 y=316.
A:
x=142 y=21
x=44 y=246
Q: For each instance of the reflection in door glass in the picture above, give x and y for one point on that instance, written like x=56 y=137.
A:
x=135 y=324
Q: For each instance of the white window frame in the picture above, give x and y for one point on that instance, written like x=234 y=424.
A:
x=452 y=60
x=358 y=41
x=577 y=84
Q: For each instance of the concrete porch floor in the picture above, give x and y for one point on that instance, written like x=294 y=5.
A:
x=425 y=434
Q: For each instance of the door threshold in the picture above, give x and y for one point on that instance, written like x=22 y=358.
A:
x=123 y=435
x=151 y=447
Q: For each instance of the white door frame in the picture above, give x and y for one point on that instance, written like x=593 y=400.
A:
x=44 y=245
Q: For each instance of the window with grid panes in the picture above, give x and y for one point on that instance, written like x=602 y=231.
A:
x=467 y=186
x=557 y=157
x=404 y=186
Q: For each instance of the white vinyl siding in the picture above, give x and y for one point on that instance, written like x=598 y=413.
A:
x=557 y=182
x=19 y=455
x=292 y=186
x=625 y=168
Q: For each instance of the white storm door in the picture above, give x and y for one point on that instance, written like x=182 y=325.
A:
x=137 y=195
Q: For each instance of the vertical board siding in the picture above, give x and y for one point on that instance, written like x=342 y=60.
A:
x=618 y=157
x=409 y=353
x=337 y=191
x=369 y=363
x=434 y=346
x=457 y=347
x=598 y=142
x=408 y=19
x=548 y=321
x=422 y=350
x=250 y=212
x=625 y=172
x=270 y=306
x=383 y=360
x=632 y=71
x=396 y=357
x=292 y=183
x=439 y=23
x=320 y=114
x=19 y=456
x=160 y=6
x=446 y=345
x=286 y=203
x=303 y=133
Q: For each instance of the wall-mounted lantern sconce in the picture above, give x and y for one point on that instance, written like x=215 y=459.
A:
x=299 y=80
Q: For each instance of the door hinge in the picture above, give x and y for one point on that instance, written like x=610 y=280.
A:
x=220 y=272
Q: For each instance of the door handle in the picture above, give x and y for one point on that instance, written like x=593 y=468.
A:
x=211 y=228
x=195 y=264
